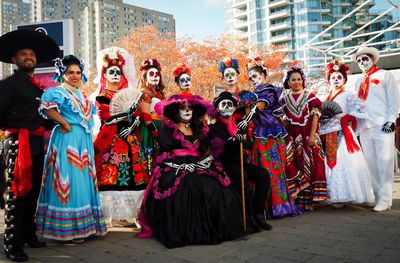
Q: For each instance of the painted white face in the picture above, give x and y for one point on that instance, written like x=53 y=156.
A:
x=185 y=112
x=226 y=108
x=364 y=62
x=230 y=76
x=336 y=80
x=185 y=81
x=255 y=77
x=113 y=74
x=153 y=76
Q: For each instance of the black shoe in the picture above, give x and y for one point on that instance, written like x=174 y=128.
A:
x=35 y=244
x=260 y=219
x=18 y=255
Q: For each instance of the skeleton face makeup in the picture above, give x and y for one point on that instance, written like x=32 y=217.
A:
x=255 y=77
x=336 y=80
x=185 y=81
x=185 y=112
x=230 y=76
x=226 y=108
x=153 y=76
x=364 y=62
x=113 y=74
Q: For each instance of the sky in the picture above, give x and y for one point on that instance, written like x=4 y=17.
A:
x=196 y=18
x=203 y=18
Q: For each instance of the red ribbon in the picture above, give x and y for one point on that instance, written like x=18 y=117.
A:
x=22 y=181
x=364 y=87
x=351 y=144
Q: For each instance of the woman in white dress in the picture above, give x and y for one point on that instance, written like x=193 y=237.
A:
x=348 y=178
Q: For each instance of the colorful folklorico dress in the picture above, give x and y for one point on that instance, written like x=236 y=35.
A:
x=148 y=141
x=269 y=149
x=304 y=165
x=121 y=168
x=69 y=203
x=347 y=172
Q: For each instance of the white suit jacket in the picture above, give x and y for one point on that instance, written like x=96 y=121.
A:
x=383 y=101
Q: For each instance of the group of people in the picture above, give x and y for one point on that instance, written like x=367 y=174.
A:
x=190 y=171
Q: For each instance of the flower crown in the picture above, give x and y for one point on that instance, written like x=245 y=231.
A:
x=254 y=62
x=149 y=63
x=113 y=59
x=336 y=65
x=228 y=63
x=181 y=70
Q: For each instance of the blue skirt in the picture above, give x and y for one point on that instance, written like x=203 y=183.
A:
x=69 y=203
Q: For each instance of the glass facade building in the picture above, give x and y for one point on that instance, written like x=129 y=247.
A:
x=293 y=23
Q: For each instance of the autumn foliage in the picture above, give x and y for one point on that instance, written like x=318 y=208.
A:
x=201 y=57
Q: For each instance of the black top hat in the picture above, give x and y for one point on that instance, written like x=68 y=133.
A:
x=226 y=96
x=45 y=47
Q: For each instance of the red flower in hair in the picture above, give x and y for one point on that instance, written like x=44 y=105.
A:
x=148 y=63
x=228 y=62
x=180 y=70
x=336 y=65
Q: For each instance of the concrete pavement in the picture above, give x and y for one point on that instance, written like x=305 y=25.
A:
x=352 y=234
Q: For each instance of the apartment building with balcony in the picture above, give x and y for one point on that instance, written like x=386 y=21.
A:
x=96 y=23
x=13 y=12
x=292 y=23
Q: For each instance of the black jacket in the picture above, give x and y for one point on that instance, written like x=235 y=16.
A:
x=19 y=102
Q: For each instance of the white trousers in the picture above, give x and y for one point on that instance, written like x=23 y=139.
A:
x=379 y=154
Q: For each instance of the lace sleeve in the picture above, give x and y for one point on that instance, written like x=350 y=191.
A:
x=356 y=106
x=330 y=126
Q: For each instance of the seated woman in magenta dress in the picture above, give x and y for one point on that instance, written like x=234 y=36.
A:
x=189 y=199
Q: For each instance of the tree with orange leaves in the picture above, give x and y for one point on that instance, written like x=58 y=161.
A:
x=202 y=58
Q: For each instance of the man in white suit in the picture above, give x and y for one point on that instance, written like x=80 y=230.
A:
x=377 y=87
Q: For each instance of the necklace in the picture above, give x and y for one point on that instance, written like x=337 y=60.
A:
x=70 y=87
x=186 y=125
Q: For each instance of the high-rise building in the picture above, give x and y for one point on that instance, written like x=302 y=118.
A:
x=13 y=12
x=96 y=23
x=293 y=23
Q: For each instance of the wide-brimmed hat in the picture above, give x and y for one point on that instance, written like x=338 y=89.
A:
x=44 y=46
x=226 y=95
x=169 y=108
x=366 y=50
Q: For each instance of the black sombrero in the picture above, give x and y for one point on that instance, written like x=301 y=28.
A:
x=44 y=46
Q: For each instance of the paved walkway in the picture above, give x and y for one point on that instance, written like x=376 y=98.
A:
x=353 y=234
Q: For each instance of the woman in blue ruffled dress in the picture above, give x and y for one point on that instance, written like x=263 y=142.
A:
x=69 y=206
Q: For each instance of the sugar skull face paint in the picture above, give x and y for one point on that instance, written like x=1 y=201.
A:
x=113 y=74
x=336 y=79
x=226 y=108
x=364 y=62
x=185 y=82
x=185 y=112
x=153 y=76
x=230 y=76
x=255 y=77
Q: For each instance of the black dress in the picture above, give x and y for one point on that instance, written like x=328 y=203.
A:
x=229 y=156
x=183 y=208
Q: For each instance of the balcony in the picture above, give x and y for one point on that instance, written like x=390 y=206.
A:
x=278 y=3
x=280 y=14
x=281 y=38
x=280 y=26
x=239 y=13
x=239 y=3
x=240 y=25
x=242 y=35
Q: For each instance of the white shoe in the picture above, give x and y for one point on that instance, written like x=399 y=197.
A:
x=381 y=207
